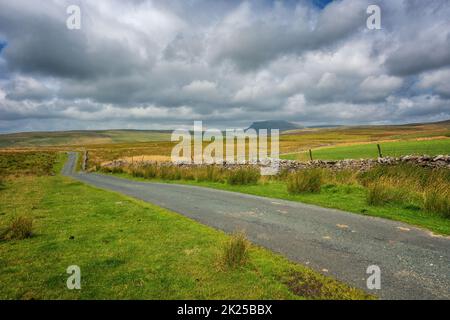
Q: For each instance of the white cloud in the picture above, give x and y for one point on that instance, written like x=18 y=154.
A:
x=200 y=86
x=437 y=81
x=379 y=87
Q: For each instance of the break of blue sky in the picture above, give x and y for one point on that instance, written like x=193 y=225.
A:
x=321 y=3
x=2 y=45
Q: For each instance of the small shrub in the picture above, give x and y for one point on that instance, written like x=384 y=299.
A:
x=437 y=200
x=305 y=181
x=235 y=251
x=20 y=228
x=244 y=176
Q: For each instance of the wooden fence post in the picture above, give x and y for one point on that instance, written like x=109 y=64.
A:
x=85 y=160
x=310 y=155
x=379 y=150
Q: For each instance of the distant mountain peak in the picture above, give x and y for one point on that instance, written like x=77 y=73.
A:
x=282 y=125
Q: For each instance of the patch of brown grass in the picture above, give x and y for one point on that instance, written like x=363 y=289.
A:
x=20 y=228
x=27 y=163
x=318 y=287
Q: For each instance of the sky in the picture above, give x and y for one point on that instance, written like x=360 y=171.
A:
x=162 y=64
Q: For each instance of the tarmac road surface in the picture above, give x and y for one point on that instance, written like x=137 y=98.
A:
x=414 y=263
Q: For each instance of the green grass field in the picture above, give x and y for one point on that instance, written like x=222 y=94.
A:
x=360 y=151
x=128 y=249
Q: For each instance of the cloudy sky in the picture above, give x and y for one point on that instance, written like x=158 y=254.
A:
x=162 y=64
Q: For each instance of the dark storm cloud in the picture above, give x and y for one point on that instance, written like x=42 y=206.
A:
x=417 y=56
x=281 y=31
x=419 y=36
x=40 y=43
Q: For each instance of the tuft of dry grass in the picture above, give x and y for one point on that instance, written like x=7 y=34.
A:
x=235 y=252
x=436 y=199
x=20 y=228
x=244 y=176
x=382 y=192
x=304 y=181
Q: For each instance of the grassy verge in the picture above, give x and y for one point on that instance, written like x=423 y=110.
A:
x=128 y=249
x=351 y=198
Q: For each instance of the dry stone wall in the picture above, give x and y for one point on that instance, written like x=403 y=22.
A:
x=440 y=161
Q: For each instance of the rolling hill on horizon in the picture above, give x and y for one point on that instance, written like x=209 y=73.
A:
x=79 y=137
x=112 y=136
x=282 y=125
